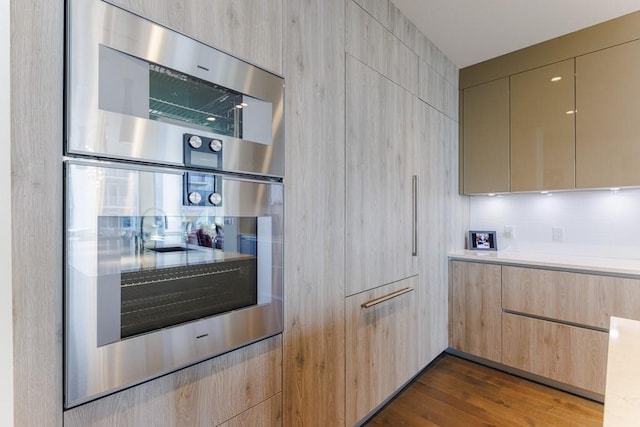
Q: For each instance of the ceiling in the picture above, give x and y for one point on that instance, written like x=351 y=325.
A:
x=471 y=31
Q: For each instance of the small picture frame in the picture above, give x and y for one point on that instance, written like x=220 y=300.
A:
x=482 y=241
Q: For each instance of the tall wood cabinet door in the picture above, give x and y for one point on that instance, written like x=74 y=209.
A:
x=485 y=137
x=381 y=342
x=475 y=309
x=381 y=164
x=608 y=118
x=542 y=128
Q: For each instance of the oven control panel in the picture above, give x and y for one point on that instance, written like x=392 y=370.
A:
x=202 y=152
x=202 y=189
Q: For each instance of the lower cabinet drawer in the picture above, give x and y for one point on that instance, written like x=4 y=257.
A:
x=567 y=354
x=381 y=345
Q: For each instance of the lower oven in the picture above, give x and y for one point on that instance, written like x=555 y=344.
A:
x=164 y=268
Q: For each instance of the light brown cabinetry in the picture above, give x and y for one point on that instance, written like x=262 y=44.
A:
x=380 y=169
x=542 y=128
x=563 y=353
x=608 y=119
x=381 y=343
x=552 y=324
x=208 y=393
x=485 y=137
x=475 y=308
x=582 y=299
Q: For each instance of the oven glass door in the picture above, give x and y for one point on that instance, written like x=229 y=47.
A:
x=155 y=282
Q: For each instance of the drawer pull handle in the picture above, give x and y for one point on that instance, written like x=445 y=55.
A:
x=384 y=298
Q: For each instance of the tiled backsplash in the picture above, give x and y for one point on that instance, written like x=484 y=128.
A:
x=600 y=223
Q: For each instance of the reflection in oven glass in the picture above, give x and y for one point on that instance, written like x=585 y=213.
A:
x=180 y=269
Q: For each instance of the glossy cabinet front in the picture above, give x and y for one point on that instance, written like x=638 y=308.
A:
x=608 y=119
x=542 y=130
x=485 y=138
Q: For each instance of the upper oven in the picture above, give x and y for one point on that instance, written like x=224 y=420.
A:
x=139 y=91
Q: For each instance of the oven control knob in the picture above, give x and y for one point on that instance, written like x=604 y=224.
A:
x=215 y=198
x=195 y=141
x=195 y=197
x=215 y=145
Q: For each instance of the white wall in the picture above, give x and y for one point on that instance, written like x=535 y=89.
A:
x=6 y=325
x=596 y=223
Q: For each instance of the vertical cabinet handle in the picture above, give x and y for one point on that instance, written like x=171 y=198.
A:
x=414 y=193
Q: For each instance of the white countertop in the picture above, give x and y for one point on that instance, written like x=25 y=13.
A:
x=622 y=393
x=613 y=266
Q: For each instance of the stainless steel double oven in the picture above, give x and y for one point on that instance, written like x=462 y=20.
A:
x=174 y=160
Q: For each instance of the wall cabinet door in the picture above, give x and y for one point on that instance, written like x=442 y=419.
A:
x=485 y=137
x=542 y=128
x=381 y=343
x=608 y=118
x=475 y=309
x=568 y=354
x=381 y=164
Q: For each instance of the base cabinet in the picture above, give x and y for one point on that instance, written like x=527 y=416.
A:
x=549 y=323
x=475 y=306
x=381 y=345
x=567 y=354
x=233 y=390
x=265 y=414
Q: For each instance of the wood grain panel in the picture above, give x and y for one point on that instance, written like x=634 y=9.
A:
x=563 y=353
x=542 y=134
x=379 y=9
x=381 y=160
x=439 y=203
x=608 y=121
x=382 y=352
x=486 y=138
x=437 y=91
x=475 y=310
x=204 y=394
x=374 y=45
x=571 y=297
x=314 y=392
x=265 y=414
x=248 y=29
x=36 y=63
x=403 y=28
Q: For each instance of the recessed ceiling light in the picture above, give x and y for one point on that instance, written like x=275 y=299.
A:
x=556 y=79
x=211 y=119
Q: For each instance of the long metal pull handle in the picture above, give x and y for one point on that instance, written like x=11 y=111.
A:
x=414 y=190
x=384 y=298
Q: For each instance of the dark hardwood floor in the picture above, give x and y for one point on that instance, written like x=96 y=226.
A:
x=457 y=392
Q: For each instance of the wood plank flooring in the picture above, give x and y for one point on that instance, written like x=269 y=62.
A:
x=457 y=392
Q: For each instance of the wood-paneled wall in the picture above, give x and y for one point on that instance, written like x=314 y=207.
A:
x=314 y=69
x=36 y=209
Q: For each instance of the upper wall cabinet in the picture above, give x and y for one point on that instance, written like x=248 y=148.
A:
x=573 y=123
x=485 y=137
x=608 y=118
x=542 y=137
x=381 y=165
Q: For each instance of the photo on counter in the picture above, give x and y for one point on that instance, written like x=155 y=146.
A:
x=482 y=240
